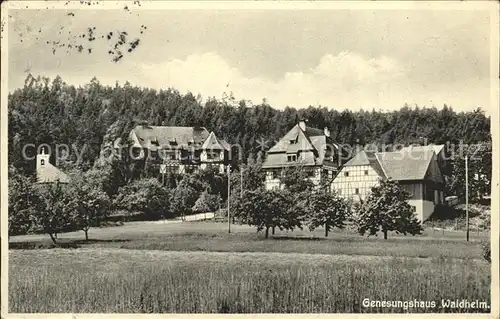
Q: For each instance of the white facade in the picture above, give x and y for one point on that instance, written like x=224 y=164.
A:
x=214 y=158
x=423 y=208
x=314 y=174
x=355 y=181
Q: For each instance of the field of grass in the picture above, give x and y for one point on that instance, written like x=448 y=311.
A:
x=118 y=280
x=200 y=268
x=207 y=236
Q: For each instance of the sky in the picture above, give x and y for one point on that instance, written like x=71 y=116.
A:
x=338 y=58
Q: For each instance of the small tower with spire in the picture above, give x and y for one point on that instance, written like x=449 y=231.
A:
x=42 y=159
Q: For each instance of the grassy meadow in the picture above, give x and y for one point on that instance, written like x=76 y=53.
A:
x=200 y=268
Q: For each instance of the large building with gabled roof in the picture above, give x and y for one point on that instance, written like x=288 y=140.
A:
x=310 y=148
x=415 y=168
x=181 y=149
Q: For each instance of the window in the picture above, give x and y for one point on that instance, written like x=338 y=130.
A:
x=293 y=141
x=366 y=172
x=346 y=174
x=42 y=162
x=275 y=174
x=171 y=155
x=310 y=173
x=339 y=191
x=292 y=158
x=212 y=155
x=356 y=191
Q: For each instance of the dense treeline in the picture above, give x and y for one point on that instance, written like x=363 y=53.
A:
x=88 y=119
x=53 y=112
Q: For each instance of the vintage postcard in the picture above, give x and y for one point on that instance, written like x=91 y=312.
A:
x=249 y=158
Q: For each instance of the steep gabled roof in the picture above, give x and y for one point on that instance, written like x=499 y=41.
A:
x=434 y=173
x=144 y=135
x=412 y=165
x=366 y=158
x=316 y=148
x=213 y=143
x=361 y=158
x=303 y=143
x=436 y=148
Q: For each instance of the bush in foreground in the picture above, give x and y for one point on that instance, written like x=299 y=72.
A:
x=486 y=250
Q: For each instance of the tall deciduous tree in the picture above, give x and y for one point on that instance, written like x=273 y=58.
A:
x=55 y=217
x=387 y=209
x=183 y=198
x=296 y=180
x=24 y=203
x=207 y=203
x=326 y=209
x=91 y=202
x=267 y=209
x=145 y=195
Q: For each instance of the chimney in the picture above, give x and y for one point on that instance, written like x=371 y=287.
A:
x=327 y=132
x=358 y=146
x=302 y=125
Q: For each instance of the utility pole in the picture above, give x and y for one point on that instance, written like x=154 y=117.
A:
x=228 y=197
x=466 y=198
x=163 y=168
x=241 y=181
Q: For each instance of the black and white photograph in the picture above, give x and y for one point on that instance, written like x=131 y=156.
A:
x=249 y=157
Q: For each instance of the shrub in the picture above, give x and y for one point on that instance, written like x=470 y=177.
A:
x=445 y=212
x=147 y=196
x=486 y=250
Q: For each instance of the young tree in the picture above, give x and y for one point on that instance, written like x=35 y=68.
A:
x=90 y=200
x=183 y=198
x=387 y=209
x=208 y=179
x=295 y=179
x=326 y=209
x=55 y=216
x=145 y=195
x=266 y=210
x=206 y=203
x=24 y=202
x=293 y=211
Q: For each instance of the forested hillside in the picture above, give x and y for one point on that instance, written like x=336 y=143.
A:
x=53 y=112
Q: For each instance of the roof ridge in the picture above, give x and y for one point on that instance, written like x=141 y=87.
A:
x=429 y=162
x=307 y=138
x=381 y=166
